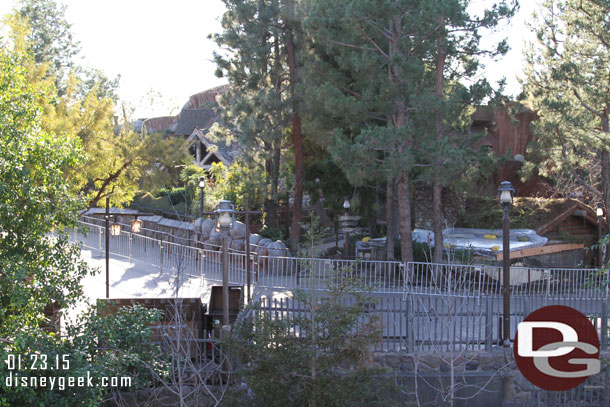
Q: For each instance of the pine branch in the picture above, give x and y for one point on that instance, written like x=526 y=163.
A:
x=564 y=152
x=373 y=43
x=586 y=106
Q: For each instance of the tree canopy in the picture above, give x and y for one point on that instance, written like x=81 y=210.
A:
x=567 y=84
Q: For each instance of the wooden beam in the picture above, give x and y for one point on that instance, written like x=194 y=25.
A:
x=536 y=251
x=542 y=230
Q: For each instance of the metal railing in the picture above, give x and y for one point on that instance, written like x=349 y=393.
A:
x=267 y=271
x=442 y=306
x=479 y=280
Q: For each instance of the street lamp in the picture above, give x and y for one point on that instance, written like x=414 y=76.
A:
x=115 y=230
x=224 y=220
x=600 y=214
x=201 y=195
x=505 y=196
x=346 y=205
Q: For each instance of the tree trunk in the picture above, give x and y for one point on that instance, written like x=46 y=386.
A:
x=272 y=167
x=272 y=163
x=399 y=120
x=404 y=206
x=391 y=225
x=605 y=178
x=297 y=137
x=437 y=210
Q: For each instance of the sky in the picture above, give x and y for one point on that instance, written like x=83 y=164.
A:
x=163 y=55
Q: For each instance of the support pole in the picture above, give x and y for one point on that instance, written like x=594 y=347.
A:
x=506 y=276
x=225 y=281
x=247 y=213
x=600 y=253
x=107 y=217
x=346 y=245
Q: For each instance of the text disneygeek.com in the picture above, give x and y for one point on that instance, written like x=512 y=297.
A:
x=24 y=371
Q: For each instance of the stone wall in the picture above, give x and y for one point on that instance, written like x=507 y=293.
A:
x=481 y=378
x=165 y=397
x=422 y=203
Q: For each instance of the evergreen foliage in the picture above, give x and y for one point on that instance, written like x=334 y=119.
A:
x=319 y=357
x=386 y=79
x=259 y=42
x=566 y=84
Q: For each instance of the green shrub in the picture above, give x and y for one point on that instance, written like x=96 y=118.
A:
x=272 y=233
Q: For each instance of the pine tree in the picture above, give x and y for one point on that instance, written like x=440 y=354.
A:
x=567 y=85
x=388 y=72
x=261 y=44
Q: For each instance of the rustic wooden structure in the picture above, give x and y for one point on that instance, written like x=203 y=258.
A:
x=182 y=319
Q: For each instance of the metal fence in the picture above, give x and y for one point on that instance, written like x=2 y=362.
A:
x=439 y=306
x=450 y=306
x=482 y=280
x=267 y=271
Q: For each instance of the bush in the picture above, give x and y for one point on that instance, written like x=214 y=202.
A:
x=272 y=233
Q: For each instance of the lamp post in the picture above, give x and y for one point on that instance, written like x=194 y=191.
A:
x=224 y=220
x=346 y=206
x=505 y=196
x=201 y=195
x=600 y=215
x=114 y=229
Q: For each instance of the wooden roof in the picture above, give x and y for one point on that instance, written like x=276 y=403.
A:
x=570 y=208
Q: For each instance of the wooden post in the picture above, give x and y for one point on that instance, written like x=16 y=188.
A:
x=107 y=247
x=604 y=327
x=409 y=325
x=488 y=325
x=225 y=280
x=600 y=250
x=506 y=277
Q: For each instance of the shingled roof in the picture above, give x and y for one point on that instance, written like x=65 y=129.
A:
x=189 y=120
x=207 y=98
x=223 y=152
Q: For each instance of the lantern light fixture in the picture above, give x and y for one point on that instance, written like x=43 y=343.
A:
x=600 y=210
x=346 y=204
x=224 y=215
x=115 y=228
x=506 y=193
x=136 y=226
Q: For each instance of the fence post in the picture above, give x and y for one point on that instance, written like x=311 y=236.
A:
x=161 y=255
x=488 y=325
x=409 y=324
x=130 y=246
x=526 y=307
x=604 y=327
x=202 y=255
x=99 y=240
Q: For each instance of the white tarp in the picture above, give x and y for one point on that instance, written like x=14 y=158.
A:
x=485 y=242
x=518 y=275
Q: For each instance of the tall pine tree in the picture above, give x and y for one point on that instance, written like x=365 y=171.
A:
x=260 y=58
x=567 y=85
x=388 y=74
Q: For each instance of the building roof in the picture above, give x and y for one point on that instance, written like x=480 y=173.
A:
x=570 y=207
x=222 y=151
x=207 y=98
x=162 y=124
x=189 y=120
